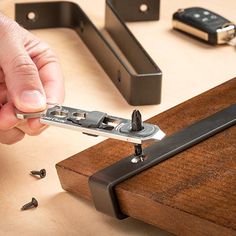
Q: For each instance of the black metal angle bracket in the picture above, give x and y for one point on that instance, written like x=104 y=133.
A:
x=139 y=83
x=102 y=183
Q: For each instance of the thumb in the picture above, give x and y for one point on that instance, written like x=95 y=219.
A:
x=21 y=76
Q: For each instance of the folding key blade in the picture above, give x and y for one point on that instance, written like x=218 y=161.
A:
x=96 y=123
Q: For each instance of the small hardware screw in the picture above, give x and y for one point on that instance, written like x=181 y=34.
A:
x=138 y=149
x=136 y=125
x=41 y=173
x=32 y=204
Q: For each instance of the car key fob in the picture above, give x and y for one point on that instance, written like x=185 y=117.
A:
x=204 y=24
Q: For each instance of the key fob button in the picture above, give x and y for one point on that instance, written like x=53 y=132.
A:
x=206 y=13
x=213 y=17
x=196 y=15
x=205 y=19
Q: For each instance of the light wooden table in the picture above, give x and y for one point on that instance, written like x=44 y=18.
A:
x=189 y=67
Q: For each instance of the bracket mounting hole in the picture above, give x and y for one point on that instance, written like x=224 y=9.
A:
x=31 y=16
x=143 y=8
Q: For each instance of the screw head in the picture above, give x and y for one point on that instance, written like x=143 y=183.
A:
x=34 y=202
x=42 y=173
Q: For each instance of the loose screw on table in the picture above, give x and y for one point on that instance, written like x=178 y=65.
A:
x=32 y=204
x=41 y=173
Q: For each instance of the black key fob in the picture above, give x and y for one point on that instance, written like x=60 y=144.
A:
x=204 y=24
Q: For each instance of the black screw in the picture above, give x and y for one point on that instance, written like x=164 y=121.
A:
x=41 y=173
x=32 y=204
x=138 y=149
x=137 y=126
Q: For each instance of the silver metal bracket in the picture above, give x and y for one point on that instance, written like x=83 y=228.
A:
x=95 y=123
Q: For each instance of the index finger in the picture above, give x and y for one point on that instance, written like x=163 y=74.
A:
x=8 y=117
x=50 y=71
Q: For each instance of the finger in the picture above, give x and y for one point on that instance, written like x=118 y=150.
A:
x=32 y=132
x=8 y=118
x=1 y=76
x=50 y=71
x=27 y=129
x=35 y=124
x=3 y=93
x=52 y=80
x=21 y=76
x=11 y=136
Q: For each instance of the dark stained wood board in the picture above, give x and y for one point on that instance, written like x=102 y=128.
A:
x=192 y=193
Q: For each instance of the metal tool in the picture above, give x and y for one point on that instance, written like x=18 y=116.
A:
x=98 y=123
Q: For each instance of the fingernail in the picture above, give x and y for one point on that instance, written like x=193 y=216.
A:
x=32 y=99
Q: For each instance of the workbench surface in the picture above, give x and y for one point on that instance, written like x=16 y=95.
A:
x=189 y=68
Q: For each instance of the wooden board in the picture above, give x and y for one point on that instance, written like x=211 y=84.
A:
x=191 y=193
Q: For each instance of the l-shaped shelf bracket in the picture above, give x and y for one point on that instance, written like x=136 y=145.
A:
x=140 y=85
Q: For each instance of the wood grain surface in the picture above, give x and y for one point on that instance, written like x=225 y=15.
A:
x=192 y=193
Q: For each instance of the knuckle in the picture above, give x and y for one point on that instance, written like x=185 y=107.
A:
x=23 y=65
x=51 y=55
x=5 y=126
x=45 y=57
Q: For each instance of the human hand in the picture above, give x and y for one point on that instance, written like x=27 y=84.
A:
x=30 y=76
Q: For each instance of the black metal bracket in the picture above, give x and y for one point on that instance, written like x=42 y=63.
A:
x=102 y=183
x=139 y=83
